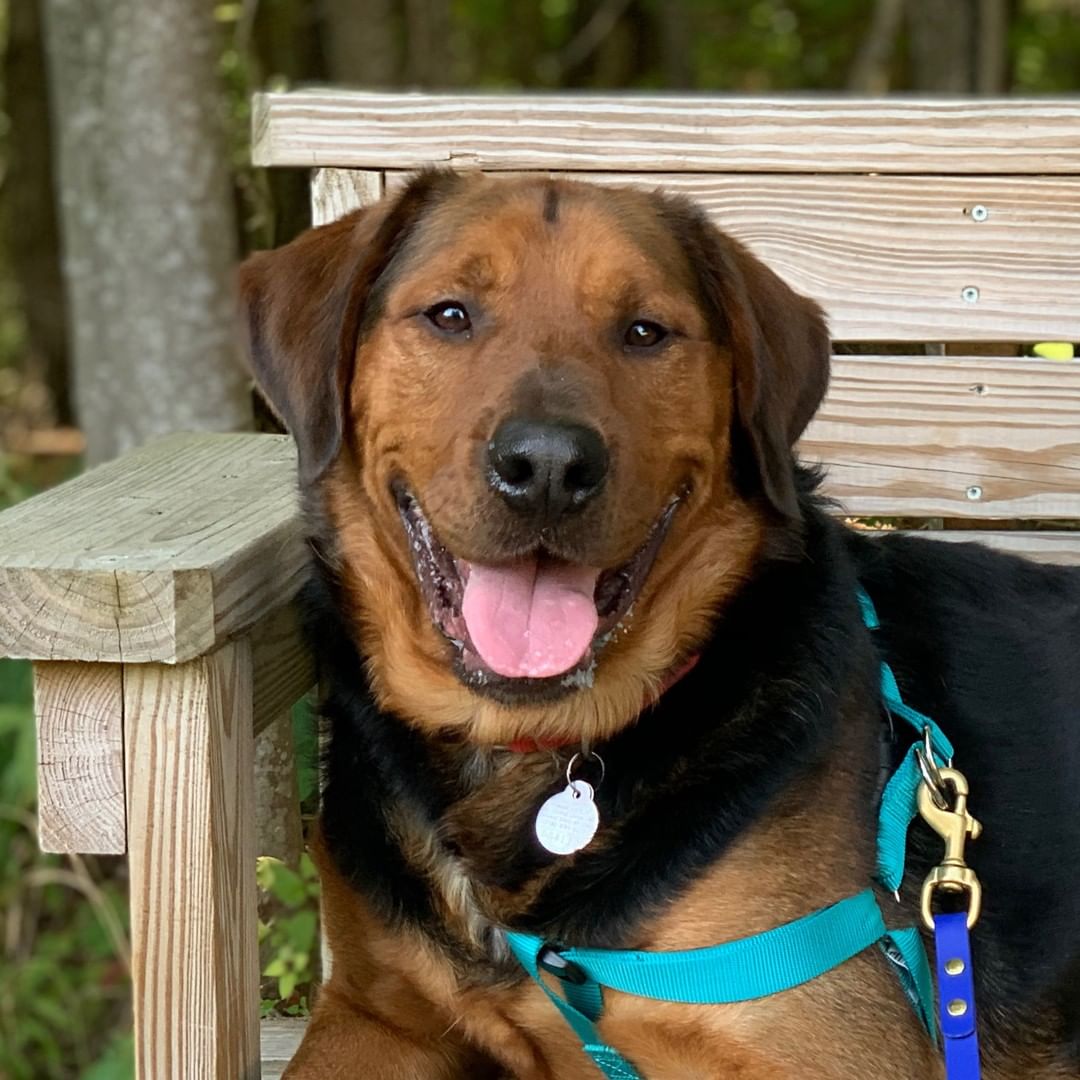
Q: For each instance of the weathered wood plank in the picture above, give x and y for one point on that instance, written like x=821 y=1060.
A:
x=284 y=668
x=981 y=437
x=280 y=1039
x=159 y=555
x=336 y=192
x=79 y=709
x=659 y=133
x=894 y=258
x=188 y=741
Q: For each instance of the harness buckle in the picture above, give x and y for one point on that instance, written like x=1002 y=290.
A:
x=955 y=826
x=553 y=962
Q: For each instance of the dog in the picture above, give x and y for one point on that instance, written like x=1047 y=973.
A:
x=558 y=531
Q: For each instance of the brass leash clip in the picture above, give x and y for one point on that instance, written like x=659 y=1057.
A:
x=954 y=825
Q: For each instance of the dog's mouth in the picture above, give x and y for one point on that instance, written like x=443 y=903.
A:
x=533 y=623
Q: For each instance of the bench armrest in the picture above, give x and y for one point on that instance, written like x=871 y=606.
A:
x=160 y=555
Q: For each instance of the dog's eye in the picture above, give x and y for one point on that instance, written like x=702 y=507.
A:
x=449 y=316
x=643 y=334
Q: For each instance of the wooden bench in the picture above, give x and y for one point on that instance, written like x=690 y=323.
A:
x=153 y=593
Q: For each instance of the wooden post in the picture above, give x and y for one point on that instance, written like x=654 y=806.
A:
x=191 y=841
x=80 y=751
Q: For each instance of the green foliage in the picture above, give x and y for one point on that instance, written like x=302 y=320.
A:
x=63 y=985
x=64 y=993
x=305 y=731
x=1045 y=47
x=289 y=938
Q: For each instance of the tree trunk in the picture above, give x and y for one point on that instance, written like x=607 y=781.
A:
x=942 y=37
x=430 y=60
x=870 y=71
x=362 y=43
x=676 y=43
x=959 y=47
x=31 y=233
x=992 y=51
x=148 y=219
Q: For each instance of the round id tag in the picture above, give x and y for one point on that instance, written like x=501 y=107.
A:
x=568 y=820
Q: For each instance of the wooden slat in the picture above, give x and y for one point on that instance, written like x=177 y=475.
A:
x=284 y=668
x=1047 y=547
x=159 y=555
x=79 y=710
x=667 y=133
x=890 y=257
x=188 y=748
x=280 y=1039
x=335 y=192
x=981 y=437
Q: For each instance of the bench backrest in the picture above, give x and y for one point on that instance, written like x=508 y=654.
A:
x=920 y=223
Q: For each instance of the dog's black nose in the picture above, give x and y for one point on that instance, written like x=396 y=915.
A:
x=546 y=469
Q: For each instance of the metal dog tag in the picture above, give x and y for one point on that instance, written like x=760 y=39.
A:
x=568 y=821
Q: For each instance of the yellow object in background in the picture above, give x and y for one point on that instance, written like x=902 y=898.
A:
x=1054 y=350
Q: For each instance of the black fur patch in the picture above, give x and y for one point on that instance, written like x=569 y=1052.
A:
x=551 y=204
x=987 y=644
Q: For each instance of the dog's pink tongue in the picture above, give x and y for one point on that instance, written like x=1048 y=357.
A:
x=530 y=619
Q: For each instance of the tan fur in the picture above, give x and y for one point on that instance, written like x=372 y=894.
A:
x=412 y=400
x=407 y=404
x=667 y=1041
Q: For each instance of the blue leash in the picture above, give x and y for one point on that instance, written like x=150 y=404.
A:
x=956 y=992
x=799 y=951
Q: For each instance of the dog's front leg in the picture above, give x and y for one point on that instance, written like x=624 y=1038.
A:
x=345 y=1041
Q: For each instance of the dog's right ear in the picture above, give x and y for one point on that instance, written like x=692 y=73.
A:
x=303 y=306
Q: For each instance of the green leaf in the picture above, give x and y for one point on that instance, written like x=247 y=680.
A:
x=276 y=968
x=287 y=886
x=118 y=1061
x=300 y=929
x=286 y=985
x=305 y=730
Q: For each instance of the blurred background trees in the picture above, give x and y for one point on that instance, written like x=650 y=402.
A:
x=126 y=195
x=146 y=144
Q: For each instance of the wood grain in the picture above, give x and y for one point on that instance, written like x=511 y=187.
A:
x=79 y=710
x=284 y=667
x=980 y=437
x=280 y=1040
x=336 y=192
x=159 y=555
x=189 y=761
x=667 y=133
x=890 y=257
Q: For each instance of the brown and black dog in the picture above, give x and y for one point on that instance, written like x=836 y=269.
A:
x=545 y=436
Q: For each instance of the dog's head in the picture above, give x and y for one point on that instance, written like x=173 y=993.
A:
x=546 y=425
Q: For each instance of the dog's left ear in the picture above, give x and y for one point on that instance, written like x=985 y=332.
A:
x=780 y=349
x=303 y=306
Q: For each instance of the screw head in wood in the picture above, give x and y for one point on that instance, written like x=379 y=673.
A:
x=979 y=212
x=970 y=295
x=974 y=493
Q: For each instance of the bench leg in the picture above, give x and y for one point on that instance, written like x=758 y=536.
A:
x=191 y=842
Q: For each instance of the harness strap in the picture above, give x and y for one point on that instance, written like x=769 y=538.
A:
x=751 y=967
x=580 y=1008
x=905 y=950
x=781 y=958
x=899 y=805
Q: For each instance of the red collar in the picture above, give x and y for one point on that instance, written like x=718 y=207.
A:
x=532 y=746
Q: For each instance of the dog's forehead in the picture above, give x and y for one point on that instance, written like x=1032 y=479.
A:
x=487 y=229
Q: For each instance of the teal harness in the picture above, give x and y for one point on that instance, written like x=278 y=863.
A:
x=765 y=963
